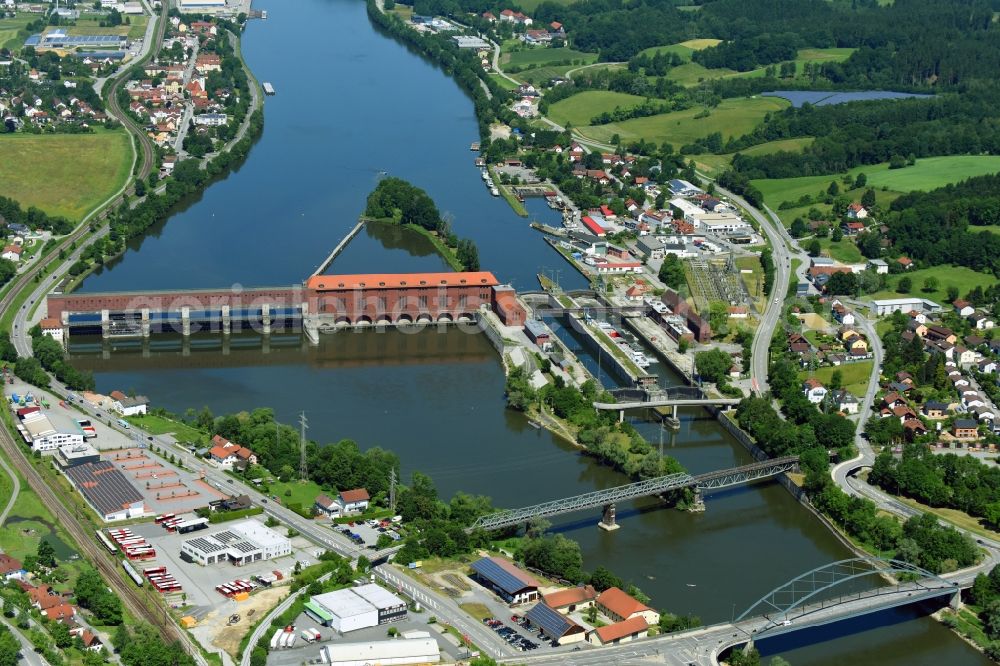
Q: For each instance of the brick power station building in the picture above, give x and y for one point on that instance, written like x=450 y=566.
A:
x=322 y=303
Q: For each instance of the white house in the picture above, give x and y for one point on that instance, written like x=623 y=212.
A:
x=878 y=266
x=354 y=501
x=327 y=506
x=856 y=212
x=963 y=308
x=12 y=253
x=52 y=328
x=814 y=390
x=128 y=405
x=226 y=454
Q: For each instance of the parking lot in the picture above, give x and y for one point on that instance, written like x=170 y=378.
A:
x=517 y=631
x=368 y=532
x=165 y=488
x=304 y=652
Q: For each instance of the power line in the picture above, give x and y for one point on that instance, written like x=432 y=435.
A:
x=303 y=426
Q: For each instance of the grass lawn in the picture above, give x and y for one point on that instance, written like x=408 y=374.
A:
x=845 y=251
x=478 y=611
x=581 y=107
x=537 y=57
x=753 y=280
x=303 y=492
x=964 y=279
x=64 y=174
x=159 y=425
x=506 y=84
x=715 y=164
x=9 y=29
x=854 y=376
x=691 y=73
x=953 y=516
x=733 y=117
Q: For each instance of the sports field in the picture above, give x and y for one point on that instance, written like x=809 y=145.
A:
x=64 y=174
x=733 y=117
x=580 y=108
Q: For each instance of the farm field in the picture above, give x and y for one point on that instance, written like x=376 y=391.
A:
x=530 y=6
x=538 y=57
x=927 y=174
x=691 y=73
x=581 y=107
x=960 y=277
x=682 y=49
x=733 y=117
x=854 y=376
x=64 y=174
x=714 y=164
x=506 y=84
x=9 y=28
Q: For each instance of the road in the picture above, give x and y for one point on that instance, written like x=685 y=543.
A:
x=15 y=489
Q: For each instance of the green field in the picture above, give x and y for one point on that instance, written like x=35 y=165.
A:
x=538 y=57
x=302 y=492
x=845 y=251
x=714 y=164
x=64 y=174
x=854 y=376
x=927 y=174
x=964 y=279
x=733 y=117
x=529 y=6
x=682 y=49
x=9 y=28
x=581 y=107
x=506 y=84
x=159 y=425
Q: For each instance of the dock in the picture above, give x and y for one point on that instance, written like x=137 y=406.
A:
x=268 y=88
x=340 y=247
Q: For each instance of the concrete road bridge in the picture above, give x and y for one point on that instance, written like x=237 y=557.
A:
x=679 y=396
x=650 y=487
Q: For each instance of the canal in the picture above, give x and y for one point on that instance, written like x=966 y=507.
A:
x=351 y=104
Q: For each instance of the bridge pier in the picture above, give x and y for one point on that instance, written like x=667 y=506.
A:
x=608 y=523
x=227 y=320
x=956 y=600
x=265 y=318
x=673 y=421
x=105 y=324
x=186 y=321
x=699 y=502
x=621 y=415
x=144 y=323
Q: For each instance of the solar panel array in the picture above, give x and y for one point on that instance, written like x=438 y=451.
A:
x=244 y=547
x=207 y=546
x=104 y=486
x=551 y=621
x=81 y=40
x=510 y=580
x=225 y=536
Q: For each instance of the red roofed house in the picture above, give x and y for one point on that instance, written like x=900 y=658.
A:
x=226 y=453
x=905 y=262
x=12 y=253
x=327 y=505
x=856 y=212
x=354 y=501
x=90 y=641
x=43 y=599
x=10 y=567
x=61 y=612
x=618 y=606
x=572 y=599
x=620 y=632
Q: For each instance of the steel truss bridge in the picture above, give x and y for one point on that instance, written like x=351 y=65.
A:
x=663 y=484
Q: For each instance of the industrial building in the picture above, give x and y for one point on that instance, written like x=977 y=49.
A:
x=58 y=39
x=512 y=584
x=558 y=628
x=619 y=606
x=249 y=541
x=77 y=454
x=356 y=608
x=538 y=332
x=38 y=431
x=107 y=490
x=395 y=652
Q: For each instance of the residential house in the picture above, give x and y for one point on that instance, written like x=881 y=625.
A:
x=916 y=327
x=814 y=390
x=842 y=314
x=572 y=599
x=12 y=253
x=227 y=454
x=980 y=321
x=619 y=606
x=905 y=262
x=354 y=501
x=852 y=228
x=797 y=344
x=846 y=402
x=738 y=312
x=914 y=428
x=904 y=413
x=933 y=409
x=974 y=341
x=904 y=377
x=987 y=366
x=941 y=333
x=856 y=344
x=620 y=632
x=965 y=357
x=973 y=399
x=128 y=405
x=52 y=328
x=10 y=568
x=879 y=266
x=963 y=308
x=965 y=429
x=856 y=211
x=327 y=506
x=983 y=414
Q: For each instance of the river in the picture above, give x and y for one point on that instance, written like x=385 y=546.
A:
x=351 y=103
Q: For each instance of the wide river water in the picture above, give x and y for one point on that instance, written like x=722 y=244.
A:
x=351 y=103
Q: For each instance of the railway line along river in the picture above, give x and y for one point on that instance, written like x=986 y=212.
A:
x=353 y=103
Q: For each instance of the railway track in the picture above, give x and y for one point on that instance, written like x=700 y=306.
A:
x=100 y=558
